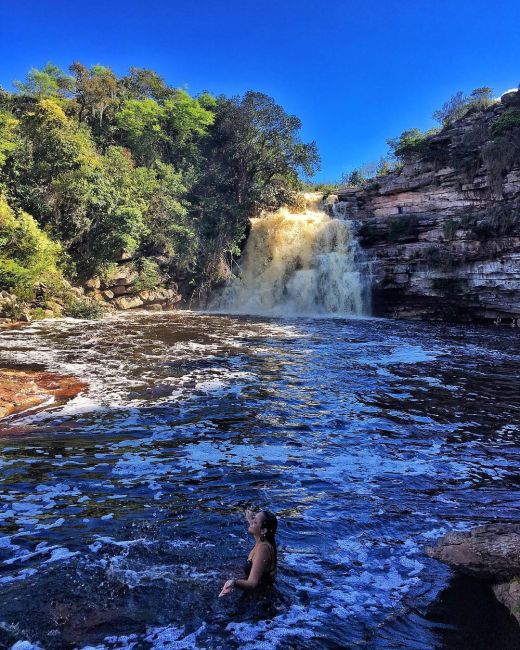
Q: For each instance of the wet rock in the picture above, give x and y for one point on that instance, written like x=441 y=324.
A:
x=508 y=594
x=24 y=389
x=491 y=551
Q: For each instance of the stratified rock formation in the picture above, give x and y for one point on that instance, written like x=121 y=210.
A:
x=491 y=552
x=442 y=235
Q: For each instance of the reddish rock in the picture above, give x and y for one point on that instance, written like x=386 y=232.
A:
x=21 y=390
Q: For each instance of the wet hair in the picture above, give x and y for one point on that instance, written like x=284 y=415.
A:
x=270 y=523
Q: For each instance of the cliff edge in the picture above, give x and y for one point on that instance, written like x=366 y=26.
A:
x=441 y=234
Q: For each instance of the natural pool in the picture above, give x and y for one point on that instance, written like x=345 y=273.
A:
x=122 y=510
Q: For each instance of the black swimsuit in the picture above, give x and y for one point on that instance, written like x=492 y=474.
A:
x=267 y=577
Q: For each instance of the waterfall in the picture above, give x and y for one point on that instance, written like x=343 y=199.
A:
x=297 y=263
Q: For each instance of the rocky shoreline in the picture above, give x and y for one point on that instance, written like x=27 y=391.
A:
x=25 y=390
x=491 y=553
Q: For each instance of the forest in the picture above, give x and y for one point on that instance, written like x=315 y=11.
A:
x=96 y=168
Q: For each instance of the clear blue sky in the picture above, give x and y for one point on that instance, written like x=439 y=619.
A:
x=356 y=73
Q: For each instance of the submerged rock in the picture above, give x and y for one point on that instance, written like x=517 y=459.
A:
x=21 y=390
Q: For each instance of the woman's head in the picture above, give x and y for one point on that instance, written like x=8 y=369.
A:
x=264 y=525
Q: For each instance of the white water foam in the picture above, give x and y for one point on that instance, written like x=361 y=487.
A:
x=301 y=264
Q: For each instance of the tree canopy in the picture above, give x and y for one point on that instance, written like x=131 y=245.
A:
x=110 y=165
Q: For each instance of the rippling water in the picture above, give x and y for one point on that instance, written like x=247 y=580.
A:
x=122 y=510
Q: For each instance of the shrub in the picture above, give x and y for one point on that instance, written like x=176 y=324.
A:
x=106 y=271
x=449 y=228
x=505 y=122
x=410 y=143
x=465 y=155
x=27 y=254
x=460 y=104
x=149 y=276
x=406 y=227
x=88 y=308
x=38 y=313
x=499 y=220
x=439 y=258
x=499 y=155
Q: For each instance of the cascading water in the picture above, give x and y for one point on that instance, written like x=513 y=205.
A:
x=298 y=263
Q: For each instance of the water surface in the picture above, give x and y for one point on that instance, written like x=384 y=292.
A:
x=122 y=510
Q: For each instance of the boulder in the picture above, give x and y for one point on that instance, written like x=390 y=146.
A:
x=120 y=290
x=160 y=295
x=508 y=593
x=491 y=551
x=123 y=275
x=128 y=302
x=107 y=294
x=93 y=283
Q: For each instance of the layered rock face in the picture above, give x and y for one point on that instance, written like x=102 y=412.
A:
x=442 y=235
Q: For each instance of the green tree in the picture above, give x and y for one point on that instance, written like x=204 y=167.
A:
x=250 y=161
x=185 y=121
x=8 y=134
x=96 y=93
x=141 y=83
x=456 y=107
x=27 y=255
x=171 y=229
x=139 y=126
x=50 y=144
x=50 y=81
x=410 y=144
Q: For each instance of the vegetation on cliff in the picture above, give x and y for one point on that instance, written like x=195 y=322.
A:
x=96 y=168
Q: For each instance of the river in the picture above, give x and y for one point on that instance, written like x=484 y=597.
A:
x=122 y=510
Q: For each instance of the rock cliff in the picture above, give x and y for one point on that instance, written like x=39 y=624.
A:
x=441 y=236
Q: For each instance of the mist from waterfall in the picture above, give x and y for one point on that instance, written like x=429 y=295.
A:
x=298 y=264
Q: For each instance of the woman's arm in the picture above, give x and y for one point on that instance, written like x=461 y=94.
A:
x=260 y=564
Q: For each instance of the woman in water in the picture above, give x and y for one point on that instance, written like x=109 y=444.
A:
x=260 y=568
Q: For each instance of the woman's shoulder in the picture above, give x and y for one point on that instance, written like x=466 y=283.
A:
x=267 y=547
x=262 y=549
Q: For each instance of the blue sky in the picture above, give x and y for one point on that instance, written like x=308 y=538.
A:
x=356 y=73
